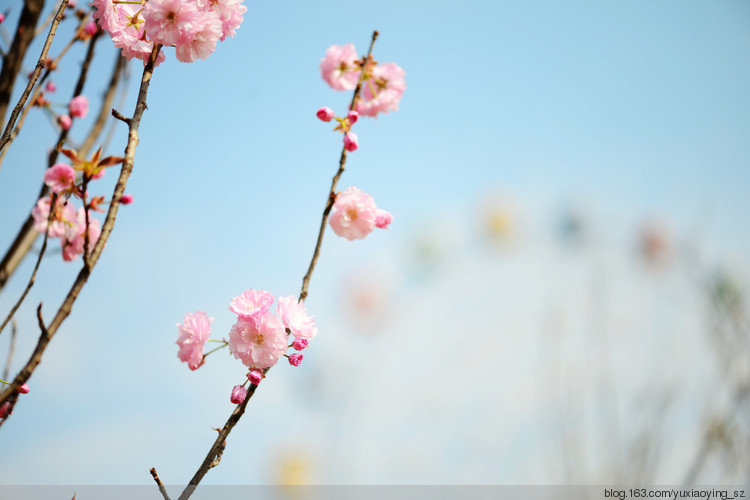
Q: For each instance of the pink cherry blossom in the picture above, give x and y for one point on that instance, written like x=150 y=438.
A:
x=258 y=341
x=91 y=28
x=125 y=199
x=79 y=106
x=193 y=334
x=382 y=92
x=5 y=408
x=65 y=215
x=65 y=121
x=325 y=114
x=295 y=359
x=239 y=394
x=255 y=377
x=170 y=22
x=293 y=314
x=338 y=68
x=351 y=143
x=206 y=32
x=353 y=214
x=251 y=302
x=229 y=12
x=353 y=116
x=60 y=177
x=2 y=18
x=383 y=219
x=74 y=240
x=300 y=344
x=24 y=389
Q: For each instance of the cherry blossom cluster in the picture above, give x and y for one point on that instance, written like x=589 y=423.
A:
x=193 y=27
x=258 y=339
x=78 y=107
x=57 y=215
x=382 y=84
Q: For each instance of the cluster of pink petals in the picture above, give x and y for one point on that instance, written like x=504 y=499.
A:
x=79 y=106
x=238 y=395
x=64 y=216
x=74 y=238
x=193 y=334
x=293 y=314
x=251 y=303
x=382 y=86
x=60 y=177
x=338 y=68
x=193 y=27
x=354 y=215
x=351 y=142
x=382 y=91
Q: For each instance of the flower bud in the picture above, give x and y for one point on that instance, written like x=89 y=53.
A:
x=5 y=410
x=350 y=141
x=24 y=389
x=126 y=199
x=325 y=114
x=238 y=394
x=300 y=344
x=50 y=87
x=255 y=377
x=353 y=116
x=383 y=219
x=90 y=28
x=65 y=121
x=79 y=106
x=295 y=359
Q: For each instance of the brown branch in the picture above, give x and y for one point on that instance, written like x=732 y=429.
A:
x=162 y=489
x=11 y=349
x=13 y=60
x=332 y=193
x=109 y=221
x=27 y=234
x=30 y=284
x=214 y=454
x=34 y=76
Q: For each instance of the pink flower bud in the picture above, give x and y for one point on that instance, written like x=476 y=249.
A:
x=50 y=87
x=255 y=377
x=5 y=410
x=79 y=106
x=238 y=394
x=2 y=17
x=72 y=4
x=353 y=116
x=350 y=141
x=295 y=359
x=383 y=219
x=24 y=389
x=300 y=344
x=325 y=114
x=125 y=199
x=90 y=28
x=65 y=121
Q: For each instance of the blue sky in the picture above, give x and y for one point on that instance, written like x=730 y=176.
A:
x=629 y=111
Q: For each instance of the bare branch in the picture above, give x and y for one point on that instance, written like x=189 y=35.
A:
x=162 y=489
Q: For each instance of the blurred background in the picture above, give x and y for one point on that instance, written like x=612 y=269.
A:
x=561 y=298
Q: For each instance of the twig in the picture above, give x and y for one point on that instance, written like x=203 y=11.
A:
x=27 y=234
x=11 y=349
x=44 y=24
x=30 y=284
x=35 y=74
x=332 y=194
x=162 y=489
x=13 y=60
x=214 y=454
x=83 y=275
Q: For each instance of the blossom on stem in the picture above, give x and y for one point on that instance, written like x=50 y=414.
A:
x=250 y=303
x=50 y=87
x=64 y=216
x=300 y=344
x=382 y=90
x=60 y=177
x=338 y=67
x=351 y=143
x=126 y=199
x=239 y=394
x=325 y=114
x=293 y=314
x=79 y=106
x=65 y=121
x=193 y=334
x=24 y=389
x=353 y=116
x=383 y=219
x=255 y=377
x=5 y=408
x=204 y=37
x=353 y=214
x=258 y=341
x=295 y=359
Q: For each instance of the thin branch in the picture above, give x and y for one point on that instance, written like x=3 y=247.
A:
x=332 y=193
x=67 y=306
x=27 y=234
x=44 y=24
x=13 y=60
x=35 y=74
x=162 y=489
x=52 y=207
x=214 y=454
x=11 y=349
